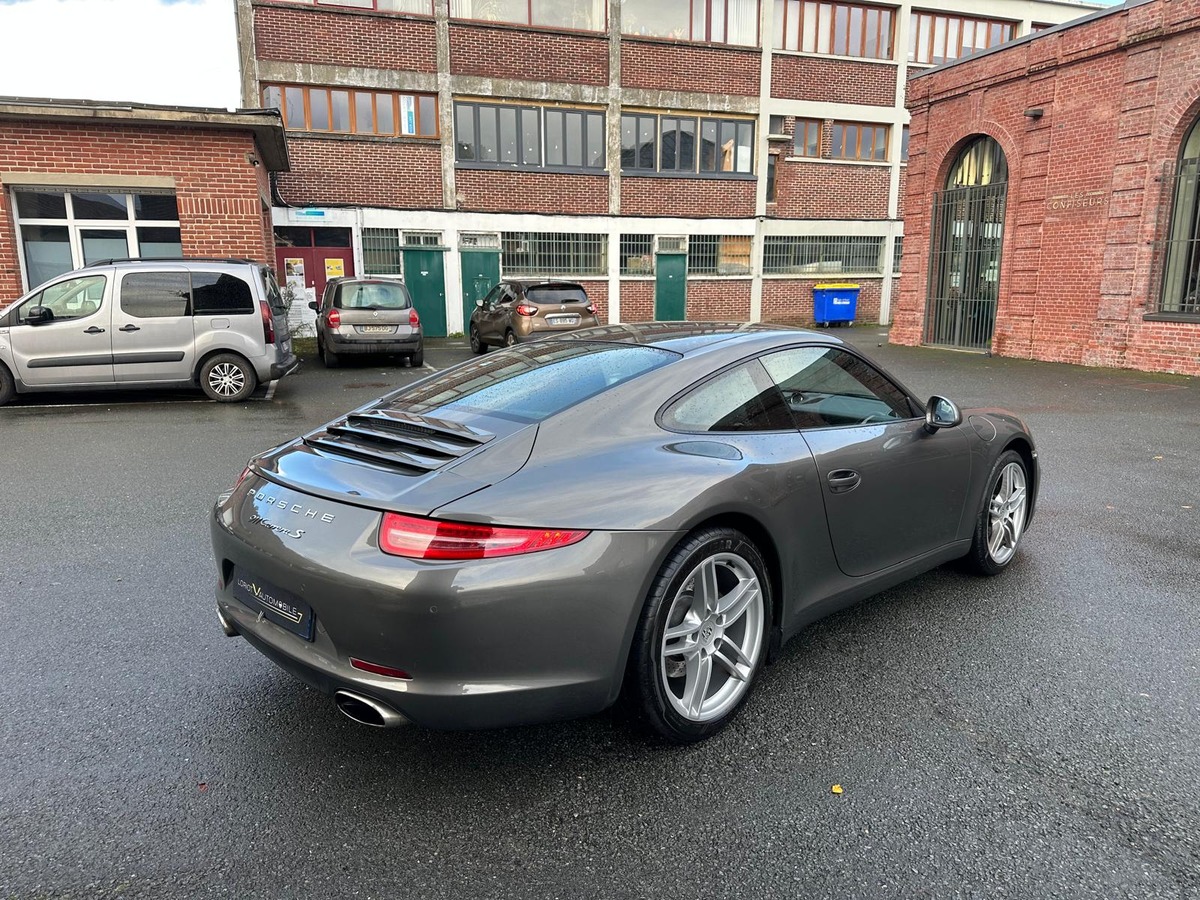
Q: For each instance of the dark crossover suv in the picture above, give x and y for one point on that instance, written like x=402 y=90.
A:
x=649 y=507
x=517 y=311
x=367 y=315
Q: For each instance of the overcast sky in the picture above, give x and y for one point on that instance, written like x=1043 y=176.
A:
x=176 y=52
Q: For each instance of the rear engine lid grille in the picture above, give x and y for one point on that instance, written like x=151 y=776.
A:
x=412 y=444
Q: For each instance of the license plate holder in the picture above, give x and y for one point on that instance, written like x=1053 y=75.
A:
x=282 y=607
x=377 y=329
x=563 y=320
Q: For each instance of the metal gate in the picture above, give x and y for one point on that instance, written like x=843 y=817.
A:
x=967 y=230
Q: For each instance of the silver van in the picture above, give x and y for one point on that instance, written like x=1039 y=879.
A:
x=219 y=324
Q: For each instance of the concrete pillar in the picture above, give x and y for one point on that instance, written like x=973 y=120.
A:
x=441 y=11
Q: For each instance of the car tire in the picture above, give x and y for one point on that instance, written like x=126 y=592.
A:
x=8 y=387
x=227 y=378
x=510 y=339
x=1001 y=520
x=477 y=344
x=416 y=360
x=331 y=359
x=711 y=601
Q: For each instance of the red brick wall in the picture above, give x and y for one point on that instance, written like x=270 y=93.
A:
x=502 y=191
x=789 y=301
x=511 y=52
x=718 y=299
x=218 y=191
x=832 y=80
x=389 y=174
x=805 y=189
x=637 y=301
x=677 y=66
x=341 y=37
x=1076 y=278
x=699 y=197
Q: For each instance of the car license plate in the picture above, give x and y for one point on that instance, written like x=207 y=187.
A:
x=281 y=607
x=376 y=329
x=563 y=320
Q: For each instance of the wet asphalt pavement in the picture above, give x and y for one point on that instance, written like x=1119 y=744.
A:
x=1034 y=735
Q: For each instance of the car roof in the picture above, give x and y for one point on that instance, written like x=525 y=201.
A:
x=159 y=262
x=687 y=337
x=541 y=282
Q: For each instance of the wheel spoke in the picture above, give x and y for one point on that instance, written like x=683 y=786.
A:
x=733 y=605
x=731 y=657
x=706 y=585
x=686 y=628
x=681 y=648
x=699 y=674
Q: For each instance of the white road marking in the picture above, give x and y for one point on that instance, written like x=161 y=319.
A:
x=271 y=389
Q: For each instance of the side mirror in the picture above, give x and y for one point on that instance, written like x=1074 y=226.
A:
x=38 y=315
x=479 y=303
x=312 y=304
x=941 y=413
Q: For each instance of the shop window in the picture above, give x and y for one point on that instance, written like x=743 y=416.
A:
x=574 y=15
x=856 y=140
x=935 y=38
x=354 y=112
x=839 y=29
x=1181 y=271
x=713 y=21
x=686 y=145
x=528 y=137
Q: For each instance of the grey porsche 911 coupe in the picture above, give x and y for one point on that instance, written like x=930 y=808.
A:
x=651 y=507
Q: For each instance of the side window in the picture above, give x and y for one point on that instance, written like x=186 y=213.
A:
x=825 y=387
x=155 y=295
x=220 y=294
x=70 y=299
x=493 y=296
x=742 y=399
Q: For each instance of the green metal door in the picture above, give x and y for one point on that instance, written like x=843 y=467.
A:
x=423 y=273
x=480 y=272
x=670 y=287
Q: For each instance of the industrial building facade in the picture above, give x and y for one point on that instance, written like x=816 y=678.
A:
x=1053 y=206
x=704 y=159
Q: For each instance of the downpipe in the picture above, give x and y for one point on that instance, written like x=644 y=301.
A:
x=366 y=711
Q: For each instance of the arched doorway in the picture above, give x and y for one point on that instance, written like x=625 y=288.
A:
x=967 y=231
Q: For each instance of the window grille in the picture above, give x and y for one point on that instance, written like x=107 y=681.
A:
x=711 y=254
x=381 y=251
x=896 y=253
x=637 y=254
x=788 y=255
x=536 y=253
x=422 y=238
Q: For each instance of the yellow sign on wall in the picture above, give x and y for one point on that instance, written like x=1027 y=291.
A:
x=335 y=268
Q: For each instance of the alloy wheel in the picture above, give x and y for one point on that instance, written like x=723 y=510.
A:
x=713 y=639
x=227 y=379
x=1006 y=513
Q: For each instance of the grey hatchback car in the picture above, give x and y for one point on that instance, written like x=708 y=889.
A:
x=649 y=508
x=515 y=311
x=367 y=315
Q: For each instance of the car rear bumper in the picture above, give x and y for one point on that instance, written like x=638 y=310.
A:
x=285 y=367
x=339 y=344
x=488 y=643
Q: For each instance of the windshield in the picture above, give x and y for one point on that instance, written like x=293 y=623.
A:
x=534 y=382
x=371 y=295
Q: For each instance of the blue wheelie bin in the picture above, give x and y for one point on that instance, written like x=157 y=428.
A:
x=835 y=304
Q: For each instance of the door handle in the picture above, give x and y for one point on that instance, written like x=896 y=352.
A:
x=93 y=330
x=843 y=480
x=129 y=328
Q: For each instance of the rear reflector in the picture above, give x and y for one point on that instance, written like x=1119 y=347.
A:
x=417 y=538
x=377 y=669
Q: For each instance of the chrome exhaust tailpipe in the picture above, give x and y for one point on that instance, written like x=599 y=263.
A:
x=366 y=711
x=228 y=627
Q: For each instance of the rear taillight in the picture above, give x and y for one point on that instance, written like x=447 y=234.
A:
x=418 y=538
x=591 y=309
x=334 y=318
x=526 y=309
x=245 y=474
x=268 y=324
x=413 y=319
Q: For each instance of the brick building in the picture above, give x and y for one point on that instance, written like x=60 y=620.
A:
x=81 y=181
x=713 y=159
x=1054 y=196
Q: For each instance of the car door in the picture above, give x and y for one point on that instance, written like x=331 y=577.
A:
x=73 y=347
x=488 y=314
x=892 y=490
x=153 y=333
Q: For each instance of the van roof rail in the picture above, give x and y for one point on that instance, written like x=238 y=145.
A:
x=172 y=259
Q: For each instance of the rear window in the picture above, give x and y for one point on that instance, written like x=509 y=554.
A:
x=556 y=293
x=534 y=382
x=220 y=294
x=371 y=295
